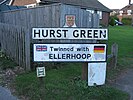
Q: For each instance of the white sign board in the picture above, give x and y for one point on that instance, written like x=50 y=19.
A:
x=96 y=73
x=69 y=33
x=40 y=71
x=69 y=52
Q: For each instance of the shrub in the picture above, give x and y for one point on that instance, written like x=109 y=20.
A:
x=111 y=21
x=127 y=21
x=115 y=18
x=6 y=62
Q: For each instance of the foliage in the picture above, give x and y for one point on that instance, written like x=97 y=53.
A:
x=111 y=21
x=127 y=21
x=115 y=17
x=6 y=62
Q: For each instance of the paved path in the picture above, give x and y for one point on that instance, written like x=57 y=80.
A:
x=125 y=83
x=6 y=94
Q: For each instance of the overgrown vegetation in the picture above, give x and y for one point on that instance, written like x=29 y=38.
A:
x=6 y=62
x=127 y=21
x=112 y=20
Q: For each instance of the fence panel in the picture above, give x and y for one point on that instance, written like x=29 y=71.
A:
x=15 y=42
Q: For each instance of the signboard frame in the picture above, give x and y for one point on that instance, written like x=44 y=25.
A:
x=79 y=33
x=75 y=44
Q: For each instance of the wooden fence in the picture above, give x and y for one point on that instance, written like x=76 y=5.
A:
x=49 y=16
x=15 y=43
x=16 y=26
x=113 y=55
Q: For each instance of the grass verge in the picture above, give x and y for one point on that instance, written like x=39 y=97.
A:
x=64 y=84
x=122 y=35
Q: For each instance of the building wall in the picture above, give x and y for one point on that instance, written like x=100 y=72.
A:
x=124 y=15
x=105 y=19
x=126 y=12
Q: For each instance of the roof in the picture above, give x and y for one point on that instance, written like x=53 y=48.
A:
x=4 y=2
x=128 y=7
x=90 y=4
x=115 y=10
x=23 y=2
x=7 y=7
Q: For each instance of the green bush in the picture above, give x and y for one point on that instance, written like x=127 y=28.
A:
x=6 y=62
x=111 y=21
x=127 y=21
x=115 y=18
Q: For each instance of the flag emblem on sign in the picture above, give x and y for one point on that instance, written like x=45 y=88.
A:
x=99 y=49
x=41 y=48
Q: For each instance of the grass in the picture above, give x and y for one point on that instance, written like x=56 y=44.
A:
x=122 y=35
x=64 y=84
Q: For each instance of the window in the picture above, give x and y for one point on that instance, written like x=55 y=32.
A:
x=121 y=12
x=91 y=11
x=98 y=12
x=38 y=1
x=129 y=12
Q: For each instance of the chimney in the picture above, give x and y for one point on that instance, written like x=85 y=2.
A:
x=129 y=2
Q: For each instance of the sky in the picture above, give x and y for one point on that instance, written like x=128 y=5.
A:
x=115 y=4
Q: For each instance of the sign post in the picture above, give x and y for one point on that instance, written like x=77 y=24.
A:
x=41 y=74
x=84 y=71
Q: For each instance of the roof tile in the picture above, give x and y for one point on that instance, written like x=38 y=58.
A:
x=23 y=2
x=94 y=4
